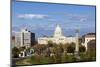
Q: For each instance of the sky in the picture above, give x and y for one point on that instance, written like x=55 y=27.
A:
x=42 y=18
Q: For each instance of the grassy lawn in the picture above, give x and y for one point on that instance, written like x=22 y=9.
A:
x=33 y=60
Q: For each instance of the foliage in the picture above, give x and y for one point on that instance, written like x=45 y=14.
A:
x=71 y=48
x=15 y=52
x=53 y=53
x=91 y=45
x=91 y=52
x=82 y=48
x=50 y=44
x=64 y=57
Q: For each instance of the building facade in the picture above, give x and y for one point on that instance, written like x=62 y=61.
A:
x=87 y=38
x=57 y=37
x=24 y=38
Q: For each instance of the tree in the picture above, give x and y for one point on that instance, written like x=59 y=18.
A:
x=52 y=59
x=22 y=48
x=60 y=49
x=15 y=52
x=65 y=46
x=82 y=48
x=55 y=55
x=91 y=51
x=38 y=48
x=91 y=45
x=71 y=48
x=64 y=57
x=46 y=52
x=50 y=43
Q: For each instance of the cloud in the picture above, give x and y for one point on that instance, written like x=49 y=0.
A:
x=72 y=16
x=50 y=19
x=32 y=16
x=83 y=19
x=78 y=17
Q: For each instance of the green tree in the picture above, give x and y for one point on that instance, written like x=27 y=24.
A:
x=71 y=48
x=91 y=51
x=15 y=52
x=50 y=44
x=56 y=54
x=64 y=57
x=52 y=59
x=22 y=48
x=82 y=48
x=65 y=46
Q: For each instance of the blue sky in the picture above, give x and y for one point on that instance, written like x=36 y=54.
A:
x=42 y=18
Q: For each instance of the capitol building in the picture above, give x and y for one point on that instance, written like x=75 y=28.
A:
x=57 y=38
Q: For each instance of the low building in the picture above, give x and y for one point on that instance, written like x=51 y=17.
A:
x=87 y=38
x=57 y=37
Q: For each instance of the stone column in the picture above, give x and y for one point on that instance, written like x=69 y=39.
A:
x=77 y=42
